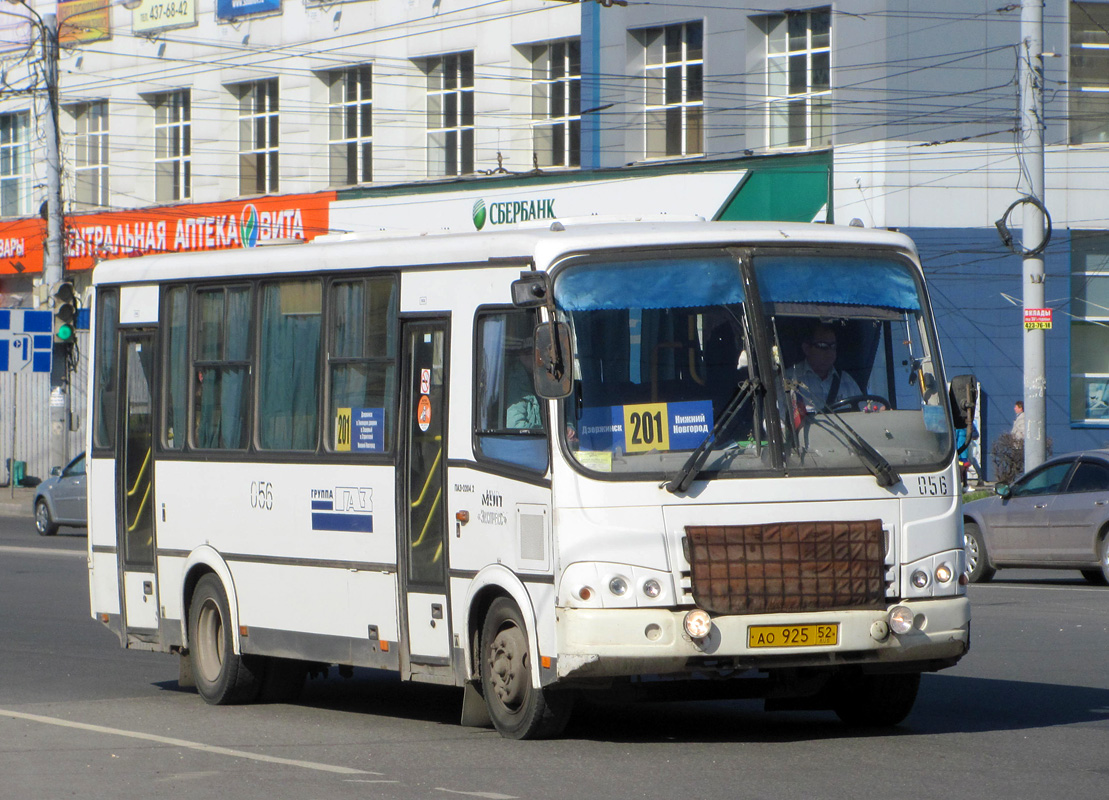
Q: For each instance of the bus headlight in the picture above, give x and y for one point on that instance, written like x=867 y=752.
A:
x=919 y=578
x=618 y=586
x=652 y=588
x=943 y=573
x=901 y=619
x=698 y=623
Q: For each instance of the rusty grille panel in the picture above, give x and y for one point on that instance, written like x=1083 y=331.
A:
x=797 y=566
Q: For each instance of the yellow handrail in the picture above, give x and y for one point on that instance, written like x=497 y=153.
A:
x=427 y=522
x=138 y=514
x=430 y=475
x=142 y=471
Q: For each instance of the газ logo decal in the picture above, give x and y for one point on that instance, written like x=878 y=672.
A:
x=479 y=214
x=248 y=226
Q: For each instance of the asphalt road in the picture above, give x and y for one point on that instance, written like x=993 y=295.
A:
x=1025 y=715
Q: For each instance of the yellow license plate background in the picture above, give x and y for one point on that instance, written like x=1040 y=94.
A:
x=793 y=635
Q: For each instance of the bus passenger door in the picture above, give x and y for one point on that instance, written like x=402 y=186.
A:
x=135 y=482
x=423 y=514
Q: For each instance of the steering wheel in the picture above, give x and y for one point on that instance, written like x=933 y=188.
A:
x=857 y=401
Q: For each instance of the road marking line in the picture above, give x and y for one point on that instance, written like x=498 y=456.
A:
x=43 y=551
x=487 y=795
x=206 y=748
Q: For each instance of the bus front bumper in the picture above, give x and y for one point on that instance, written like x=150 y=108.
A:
x=599 y=643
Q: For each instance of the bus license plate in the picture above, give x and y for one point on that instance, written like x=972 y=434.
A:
x=793 y=635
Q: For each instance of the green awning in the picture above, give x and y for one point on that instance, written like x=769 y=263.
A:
x=786 y=192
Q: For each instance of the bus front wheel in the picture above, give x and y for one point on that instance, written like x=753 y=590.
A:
x=519 y=710
x=222 y=677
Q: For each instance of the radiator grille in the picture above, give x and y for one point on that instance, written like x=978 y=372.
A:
x=799 y=566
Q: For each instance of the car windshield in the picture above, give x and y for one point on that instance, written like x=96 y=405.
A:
x=666 y=345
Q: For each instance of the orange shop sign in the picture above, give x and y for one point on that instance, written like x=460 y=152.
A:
x=167 y=229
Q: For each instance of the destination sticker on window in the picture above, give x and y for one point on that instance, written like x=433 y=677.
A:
x=644 y=427
x=360 y=430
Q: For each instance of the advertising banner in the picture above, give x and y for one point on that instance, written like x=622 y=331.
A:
x=83 y=21
x=167 y=229
x=158 y=15
x=230 y=9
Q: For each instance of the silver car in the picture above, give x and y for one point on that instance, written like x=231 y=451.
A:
x=1055 y=516
x=60 y=500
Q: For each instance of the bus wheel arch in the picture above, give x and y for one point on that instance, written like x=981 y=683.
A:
x=200 y=562
x=487 y=586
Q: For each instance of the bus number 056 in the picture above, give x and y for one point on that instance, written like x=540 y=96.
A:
x=261 y=495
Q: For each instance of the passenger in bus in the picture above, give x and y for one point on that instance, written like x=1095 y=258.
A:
x=816 y=378
x=522 y=404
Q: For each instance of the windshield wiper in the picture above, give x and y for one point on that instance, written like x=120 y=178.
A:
x=874 y=461
x=692 y=466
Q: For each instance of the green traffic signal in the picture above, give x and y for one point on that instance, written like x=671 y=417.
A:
x=65 y=332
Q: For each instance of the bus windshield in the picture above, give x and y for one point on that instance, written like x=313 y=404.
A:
x=826 y=362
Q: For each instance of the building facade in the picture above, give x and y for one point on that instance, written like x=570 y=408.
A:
x=201 y=124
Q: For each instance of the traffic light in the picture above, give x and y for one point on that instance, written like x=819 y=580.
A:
x=65 y=313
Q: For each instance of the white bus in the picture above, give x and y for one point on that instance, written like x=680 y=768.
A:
x=533 y=464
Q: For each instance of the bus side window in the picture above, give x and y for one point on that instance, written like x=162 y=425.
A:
x=221 y=367
x=361 y=364
x=176 y=389
x=104 y=405
x=510 y=418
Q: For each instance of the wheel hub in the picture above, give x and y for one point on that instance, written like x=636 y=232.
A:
x=508 y=667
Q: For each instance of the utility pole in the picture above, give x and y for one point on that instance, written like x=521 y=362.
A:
x=1032 y=170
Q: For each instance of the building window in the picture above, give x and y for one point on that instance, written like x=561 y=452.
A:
x=556 y=104
x=258 y=137
x=172 y=146
x=350 y=125
x=450 y=114
x=674 y=70
x=91 y=142
x=1089 y=73
x=15 y=164
x=798 y=78
x=1089 y=327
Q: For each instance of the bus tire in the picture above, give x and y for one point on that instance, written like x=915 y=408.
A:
x=875 y=701
x=222 y=677
x=978 y=558
x=518 y=709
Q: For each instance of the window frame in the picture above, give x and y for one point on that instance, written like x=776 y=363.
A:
x=350 y=106
x=15 y=163
x=556 y=103
x=682 y=117
x=498 y=464
x=817 y=123
x=450 y=114
x=173 y=145
x=91 y=143
x=1081 y=25
x=1084 y=244
x=329 y=361
x=249 y=362
x=259 y=130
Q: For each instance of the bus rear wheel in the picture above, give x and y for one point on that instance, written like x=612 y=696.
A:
x=518 y=709
x=222 y=677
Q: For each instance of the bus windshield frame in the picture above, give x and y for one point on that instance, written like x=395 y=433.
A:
x=668 y=344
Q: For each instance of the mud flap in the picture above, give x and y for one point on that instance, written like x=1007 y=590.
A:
x=475 y=714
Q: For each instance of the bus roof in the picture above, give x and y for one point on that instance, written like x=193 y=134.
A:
x=539 y=245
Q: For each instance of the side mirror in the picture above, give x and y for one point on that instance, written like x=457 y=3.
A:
x=553 y=375
x=531 y=290
x=55 y=472
x=1003 y=490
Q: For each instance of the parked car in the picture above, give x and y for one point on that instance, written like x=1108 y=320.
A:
x=1055 y=516
x=60 y=499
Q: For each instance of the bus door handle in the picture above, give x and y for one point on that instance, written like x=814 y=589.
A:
x=436 y=612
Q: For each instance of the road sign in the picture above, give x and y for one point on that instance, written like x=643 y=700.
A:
x=26 y=340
